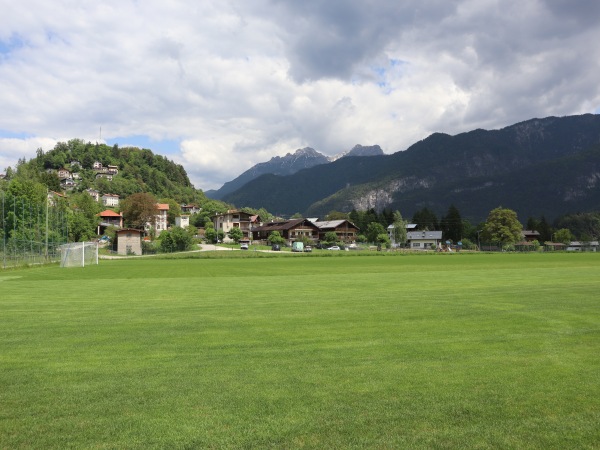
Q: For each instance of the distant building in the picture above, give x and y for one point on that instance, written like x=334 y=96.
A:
x=109 y=218
x=63 y=173
x=234 y=218
x=129 y=241
x=291 y=230
x=94 y=194
x=110 y=200
x=190 y=209
x=53 y=197
x=160 y=220
x=423 y=240
x=182 y=221
x=345 y=230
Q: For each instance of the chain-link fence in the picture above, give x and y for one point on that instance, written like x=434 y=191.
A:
x=30 y=232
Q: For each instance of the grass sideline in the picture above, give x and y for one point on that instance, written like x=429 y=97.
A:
x=445 y=351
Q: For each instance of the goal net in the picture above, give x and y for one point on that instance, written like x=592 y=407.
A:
x=78 y=254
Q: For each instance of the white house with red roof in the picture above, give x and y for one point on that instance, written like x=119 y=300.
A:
x=160 y=220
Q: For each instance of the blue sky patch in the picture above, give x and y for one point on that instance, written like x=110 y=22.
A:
x=161 y=147
x=13 y=43
x=14 y=135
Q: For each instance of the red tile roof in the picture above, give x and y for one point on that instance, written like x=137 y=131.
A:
x=108 y=213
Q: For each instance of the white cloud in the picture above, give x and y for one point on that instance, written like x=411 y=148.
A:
x=238 y=82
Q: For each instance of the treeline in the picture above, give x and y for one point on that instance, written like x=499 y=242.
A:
x=584 y=227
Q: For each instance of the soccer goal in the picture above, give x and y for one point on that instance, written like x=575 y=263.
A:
x=78 y=254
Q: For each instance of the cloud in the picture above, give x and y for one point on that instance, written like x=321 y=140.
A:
x=227 y=84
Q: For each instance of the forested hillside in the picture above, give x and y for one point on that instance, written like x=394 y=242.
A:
x=138 y=170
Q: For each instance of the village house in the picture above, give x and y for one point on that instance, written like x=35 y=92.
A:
x=190 y=209
x=530 y=235
x=236 y=219
x=110 y=200
x=423 y=240
x=97 y=165
x=67 y=183
x=63 y=173
x=182 y=221
x=345 y=230
x=112 y=170
x=390 y=232
x=108 y=176
x=94 y=194
x=160 y=220
x=579 y=246
x=291 y=230
x=109 y=218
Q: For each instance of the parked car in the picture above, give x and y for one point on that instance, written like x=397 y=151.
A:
x=275 y=247
x=308 y=249
x=333 y=247
x=244 y=247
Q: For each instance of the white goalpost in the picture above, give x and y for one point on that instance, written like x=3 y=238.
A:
x=78 y=254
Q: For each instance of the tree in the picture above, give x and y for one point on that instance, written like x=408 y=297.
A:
x=80 y=228
x=583 y=226
x=374 y=229
x=275 y=238
x=139 y=209
x=236 y=234
x=425 y=219
x=330 y=237
x=51 y=181
x=452 y=225
x=176 y=240
x=563 y=235
x=85 y=203
x=384 y=239
x=502 y=227
x=336 y=215
x=210 y=234
x=399 y=233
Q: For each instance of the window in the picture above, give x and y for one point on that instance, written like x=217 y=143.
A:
x=416 y=244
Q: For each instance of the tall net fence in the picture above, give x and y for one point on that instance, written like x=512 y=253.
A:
x=30 y=232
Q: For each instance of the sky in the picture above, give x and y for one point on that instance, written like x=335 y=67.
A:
x=219 y=86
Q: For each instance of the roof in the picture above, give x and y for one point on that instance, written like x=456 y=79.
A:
x=413 y=235
x=162 y=206
x=122 y=230
x=108 y=213
x=408 y=226
x=283 y=225
x=334 y=224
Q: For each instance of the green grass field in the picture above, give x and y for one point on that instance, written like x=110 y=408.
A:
x=437 y=351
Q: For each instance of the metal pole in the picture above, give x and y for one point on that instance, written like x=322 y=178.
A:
x=47 y=207
x=3 y=236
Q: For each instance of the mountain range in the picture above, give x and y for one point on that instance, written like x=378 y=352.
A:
x=548 y=167
x=303 y=158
